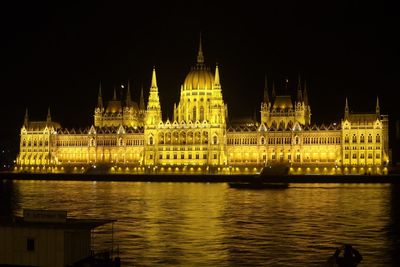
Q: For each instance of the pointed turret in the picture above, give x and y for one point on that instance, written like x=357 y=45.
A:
x=154 y=80
x=48 y=115
x=299 y=93
x=128 y=100
x=346 y=109
x=377 y=109
x=153 y=113
x=200 y=57
x=100 y=99
x=266 y=96
x=175 y=113
x=26 y=118
x=216 y=79
x=141 y=101
x=305 y=95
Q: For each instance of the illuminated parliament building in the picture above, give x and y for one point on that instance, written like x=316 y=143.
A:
x=132 y=138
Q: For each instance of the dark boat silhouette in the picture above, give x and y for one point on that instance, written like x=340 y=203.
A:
x=260 y=181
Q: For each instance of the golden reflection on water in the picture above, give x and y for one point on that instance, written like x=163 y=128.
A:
x=202 y=224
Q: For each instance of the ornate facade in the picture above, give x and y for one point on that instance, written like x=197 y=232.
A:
x=127 y=137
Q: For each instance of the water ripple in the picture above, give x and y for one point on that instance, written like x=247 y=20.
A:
x=200 y=224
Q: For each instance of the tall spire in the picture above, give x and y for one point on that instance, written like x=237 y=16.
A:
x=200 y=57
x=48 y=115
x=154 y=79
x=153 y=112
x=26 y=118
x=128 y=100
x=346 y=109
x=100 y=98
x=141 y=101
x=175 y=113
x=115 y=94
x=377 y=109
x=299 y=94
x=305 y=95
x=216 y=79
x=266 y=96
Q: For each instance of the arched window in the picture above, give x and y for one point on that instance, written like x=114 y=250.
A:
x=378 y=138
x=296 y=140
x=151 y=140
x=24 y=142
x=369 y=138
x=262 y=140
x=201 y=114
x=362 y=139
x=215 y=140
x=354 y=138
x=194 y=114
x=346 y=139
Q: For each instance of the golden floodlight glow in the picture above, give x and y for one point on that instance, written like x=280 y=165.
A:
x=130 y=135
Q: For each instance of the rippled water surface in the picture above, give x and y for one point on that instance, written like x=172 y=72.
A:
x=205 y=224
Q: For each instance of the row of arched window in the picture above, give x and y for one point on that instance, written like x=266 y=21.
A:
x=354 y=138
x=75 y=143
x=244 y=141
x=321 y=140
x=183 y=138
x=35 y=142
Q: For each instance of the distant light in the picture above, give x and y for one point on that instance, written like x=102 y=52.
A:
x=122 y=86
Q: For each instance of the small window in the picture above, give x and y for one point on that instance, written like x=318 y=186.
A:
x=30 y=244
x=215 y=156
x=204 y=156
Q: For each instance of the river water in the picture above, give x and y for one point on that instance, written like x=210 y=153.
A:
x=210 y=224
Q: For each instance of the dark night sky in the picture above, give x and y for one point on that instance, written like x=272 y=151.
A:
x=55 y=54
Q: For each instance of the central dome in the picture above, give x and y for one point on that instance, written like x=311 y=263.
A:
x=200 y=78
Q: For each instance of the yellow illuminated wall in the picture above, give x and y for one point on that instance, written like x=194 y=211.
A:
x=130 y=138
